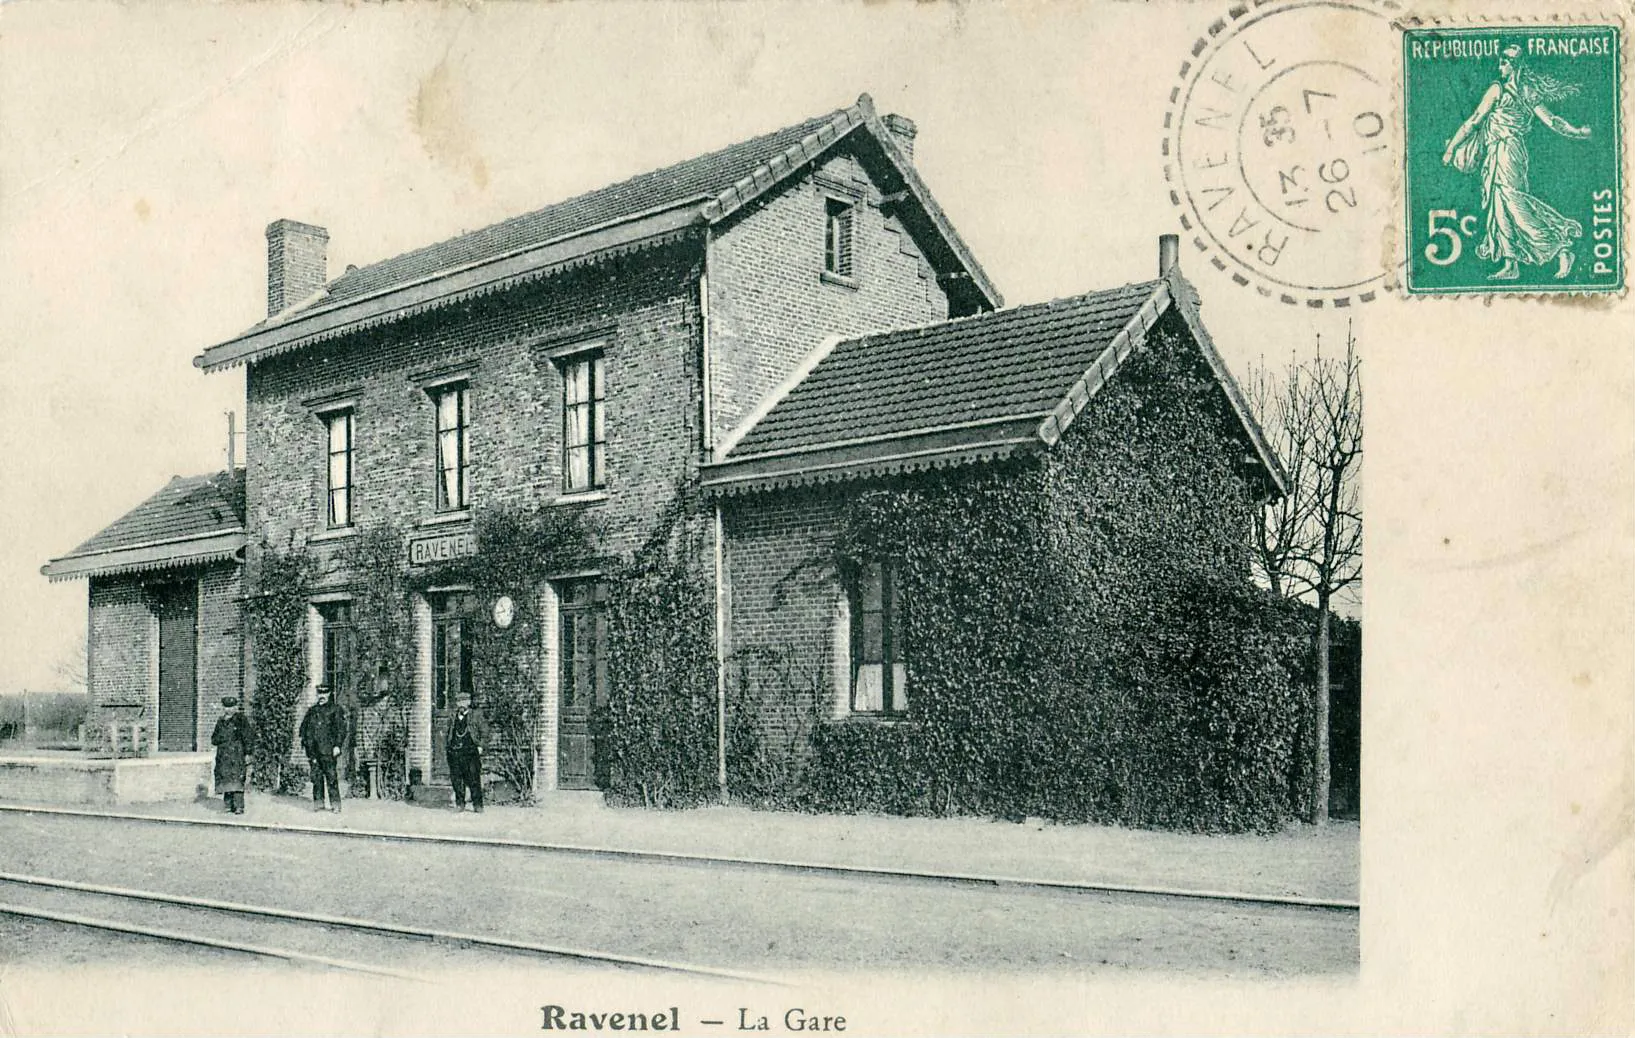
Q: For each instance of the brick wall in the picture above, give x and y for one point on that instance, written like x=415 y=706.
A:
x=221 y=653
x=786 y=598
x=646 y=305
x=769 y=304
x=123 y=648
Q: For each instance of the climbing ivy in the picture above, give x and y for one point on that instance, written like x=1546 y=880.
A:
x=275 y=613
x=1091 y=647
x=384 y=651
x=518 y=550
x=659 y=729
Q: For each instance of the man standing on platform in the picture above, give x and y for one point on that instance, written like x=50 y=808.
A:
x=323 y=733
x=467 y=739
x=231 y=738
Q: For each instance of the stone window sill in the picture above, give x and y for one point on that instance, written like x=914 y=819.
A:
x=881 y=719
x=580 y=498
x=446 y=518
x=829 y=277
x=338 y=533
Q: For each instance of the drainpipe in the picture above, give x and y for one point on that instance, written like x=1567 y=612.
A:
x=720 y=659
x=708 y=453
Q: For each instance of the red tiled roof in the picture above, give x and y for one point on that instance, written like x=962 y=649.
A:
x=191 y=519
x=971 y=389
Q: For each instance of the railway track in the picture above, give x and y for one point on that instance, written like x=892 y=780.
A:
x=380 y=940
x=681 y=858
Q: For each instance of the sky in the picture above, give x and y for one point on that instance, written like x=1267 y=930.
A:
x=143 y=152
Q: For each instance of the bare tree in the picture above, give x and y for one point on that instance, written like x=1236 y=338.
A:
x=69 y=670
x=1309 y=544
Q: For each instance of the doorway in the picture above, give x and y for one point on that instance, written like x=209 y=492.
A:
x=450 y=670
x=583 y=685
x=177 y=607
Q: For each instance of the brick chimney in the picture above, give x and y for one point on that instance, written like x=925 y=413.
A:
x=903 y=131
x=1169 y=252
x=297 y=263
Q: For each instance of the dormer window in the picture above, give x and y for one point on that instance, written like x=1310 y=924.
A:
x=839 y=220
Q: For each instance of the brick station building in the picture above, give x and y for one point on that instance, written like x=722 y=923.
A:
x=776 y=323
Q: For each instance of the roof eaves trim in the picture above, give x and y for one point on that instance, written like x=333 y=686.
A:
x=450 y=287
x=846 y=469
x=195 y=551
x=1106 y=363
x=156 y=542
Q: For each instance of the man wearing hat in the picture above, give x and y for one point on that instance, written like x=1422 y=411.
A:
x=231 y=739
x=323 y=733
x=467 y=739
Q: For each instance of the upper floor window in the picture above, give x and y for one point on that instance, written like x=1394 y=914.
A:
x=453 y=446
x=837 y=237
x=879 y=648
x=339 y=426
x=584 y=434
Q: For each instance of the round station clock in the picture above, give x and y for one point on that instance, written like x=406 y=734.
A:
x=504 y=611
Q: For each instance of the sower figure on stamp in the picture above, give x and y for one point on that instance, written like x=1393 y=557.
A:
x=323 y=733
x=1520 y=227
x=467 y=740
x=231 y=738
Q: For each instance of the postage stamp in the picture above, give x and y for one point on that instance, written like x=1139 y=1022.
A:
x=1512 y=147
x=1279 y=149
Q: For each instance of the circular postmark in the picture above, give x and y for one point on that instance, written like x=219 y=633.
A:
x=1280 y=153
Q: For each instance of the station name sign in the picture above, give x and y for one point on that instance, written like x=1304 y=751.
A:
x=443 y=547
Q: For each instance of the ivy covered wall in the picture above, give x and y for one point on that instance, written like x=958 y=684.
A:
x=1086 y=641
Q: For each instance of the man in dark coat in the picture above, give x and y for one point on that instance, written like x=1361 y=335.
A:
x=323 y=733
x=467 y=740
x=231 y=738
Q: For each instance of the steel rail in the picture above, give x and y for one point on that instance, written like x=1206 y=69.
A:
x=685 y=858
x=178 y=937
x=375 y=926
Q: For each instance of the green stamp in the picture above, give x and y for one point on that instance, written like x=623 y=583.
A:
x=1512 y=159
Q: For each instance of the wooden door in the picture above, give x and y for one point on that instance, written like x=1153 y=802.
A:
x=583 y=685
x=178 y=610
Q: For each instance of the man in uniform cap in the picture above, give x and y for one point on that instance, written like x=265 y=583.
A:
x=323 y=733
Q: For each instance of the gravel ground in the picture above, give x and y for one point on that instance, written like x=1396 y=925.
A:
x=723 y=917
x=1301 y=860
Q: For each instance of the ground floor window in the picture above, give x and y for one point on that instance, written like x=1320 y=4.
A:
x=340 y=649
x=879 y=648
